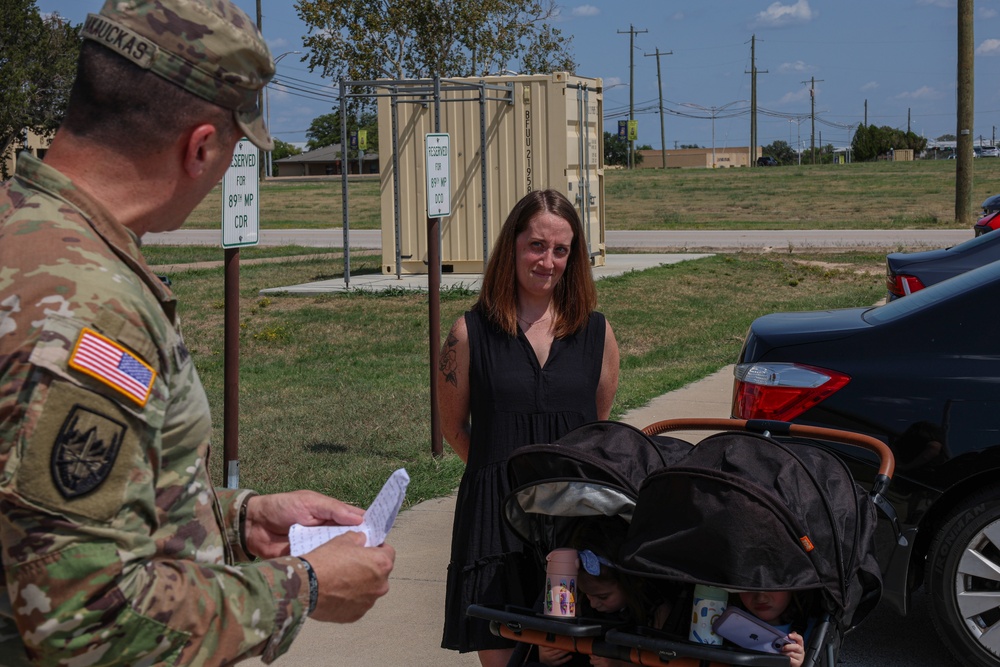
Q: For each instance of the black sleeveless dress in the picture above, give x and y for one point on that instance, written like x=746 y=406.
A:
x=513 y=402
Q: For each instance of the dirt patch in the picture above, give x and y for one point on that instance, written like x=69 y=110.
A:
x=861 y=270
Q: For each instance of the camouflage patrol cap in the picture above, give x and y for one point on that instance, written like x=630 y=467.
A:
x=207 y=47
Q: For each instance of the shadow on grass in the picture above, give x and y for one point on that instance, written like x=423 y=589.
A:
x=326 y=448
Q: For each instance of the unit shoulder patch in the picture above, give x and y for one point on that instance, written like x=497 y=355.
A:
x=84 y=451
x=81 y=456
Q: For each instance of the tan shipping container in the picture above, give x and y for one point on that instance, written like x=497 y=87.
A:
x=545 y=132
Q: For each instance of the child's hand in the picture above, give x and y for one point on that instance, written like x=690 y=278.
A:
x=598 y=661
x=553 y=656
x=795 y=651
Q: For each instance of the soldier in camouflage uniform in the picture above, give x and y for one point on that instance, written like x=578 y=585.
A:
x=116 y=547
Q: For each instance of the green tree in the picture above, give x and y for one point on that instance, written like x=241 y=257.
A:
x=282 y=149
x=325 y=131
x=37 y=69
x=782 y=152
x=863 y=145
x=616 y=151
x=397 y=39
x=870 y=142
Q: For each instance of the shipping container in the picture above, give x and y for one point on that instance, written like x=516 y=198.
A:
x=539 y=131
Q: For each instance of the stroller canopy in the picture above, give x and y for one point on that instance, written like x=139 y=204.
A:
x=745 y=512
x=593 y=471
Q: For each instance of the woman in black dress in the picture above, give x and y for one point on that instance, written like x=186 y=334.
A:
x=531 y=361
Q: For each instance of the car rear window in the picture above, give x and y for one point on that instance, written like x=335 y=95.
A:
x=934 y=294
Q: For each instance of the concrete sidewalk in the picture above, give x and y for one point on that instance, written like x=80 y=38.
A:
x=404 y=627
x=614 y=265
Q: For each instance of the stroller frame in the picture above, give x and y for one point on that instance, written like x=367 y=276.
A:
x=646 y=646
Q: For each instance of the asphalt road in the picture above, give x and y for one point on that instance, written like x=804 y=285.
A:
x=666 y=241
x=886 y=639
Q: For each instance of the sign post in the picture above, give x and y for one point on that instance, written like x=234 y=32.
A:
x=438 y=154
x=240 y=206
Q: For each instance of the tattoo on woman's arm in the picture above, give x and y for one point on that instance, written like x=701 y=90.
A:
x=449 y=361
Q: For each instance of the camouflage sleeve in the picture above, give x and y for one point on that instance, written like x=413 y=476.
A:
x=83 y=603
x=117 y=548
x=233 y=503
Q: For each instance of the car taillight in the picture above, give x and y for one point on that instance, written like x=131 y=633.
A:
x=901 y=284
x=781 y=391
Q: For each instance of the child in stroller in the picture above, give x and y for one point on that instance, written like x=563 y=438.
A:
x=792 y=612
x=746 y=513
x=607 y=592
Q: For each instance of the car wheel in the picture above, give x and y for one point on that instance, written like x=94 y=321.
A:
x=964 y=581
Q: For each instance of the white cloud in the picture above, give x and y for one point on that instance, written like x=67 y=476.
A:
x=795 y=97
x=922 y=93
x=276 y=44
x=796 y=67
x=870 y=86
x=987 y=13
x=946 y=4
x=585 y=10
x=990 y=47
x=612 y=81
x=778 y=15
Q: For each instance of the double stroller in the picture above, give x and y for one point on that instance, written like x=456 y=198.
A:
x=742 y=510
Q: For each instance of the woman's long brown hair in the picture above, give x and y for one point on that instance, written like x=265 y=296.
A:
x=575 y=295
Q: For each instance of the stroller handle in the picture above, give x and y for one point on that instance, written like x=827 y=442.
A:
x=887 y=462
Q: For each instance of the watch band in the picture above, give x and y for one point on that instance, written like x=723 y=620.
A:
x=313 y=585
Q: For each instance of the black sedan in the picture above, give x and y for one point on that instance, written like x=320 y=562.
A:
x=922 y=374
x=908 y=272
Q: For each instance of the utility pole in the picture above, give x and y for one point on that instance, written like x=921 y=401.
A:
x=632 y=32
x=753 y=99
x=812 y=114
x=866 y=113
x=260 y=93
x=966 y=115
x=659 y=84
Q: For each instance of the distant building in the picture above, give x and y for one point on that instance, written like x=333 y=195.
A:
x=698 y=158
x=325 y=161
x=33 y=143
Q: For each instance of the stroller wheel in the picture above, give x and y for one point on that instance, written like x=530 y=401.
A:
x=964 y=581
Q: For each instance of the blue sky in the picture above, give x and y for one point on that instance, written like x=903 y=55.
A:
x=898 y=56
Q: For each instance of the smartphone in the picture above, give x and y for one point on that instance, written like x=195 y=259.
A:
x=746 y=630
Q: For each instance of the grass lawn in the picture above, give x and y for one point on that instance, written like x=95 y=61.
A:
x=334 y=388
x=875 y=195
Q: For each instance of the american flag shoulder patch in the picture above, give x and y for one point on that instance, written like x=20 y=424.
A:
x=108 y=362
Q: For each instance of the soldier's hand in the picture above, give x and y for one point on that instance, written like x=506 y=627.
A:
x=270 y=517
x=351 y=577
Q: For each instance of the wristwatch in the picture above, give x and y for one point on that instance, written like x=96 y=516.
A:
x=313 y=585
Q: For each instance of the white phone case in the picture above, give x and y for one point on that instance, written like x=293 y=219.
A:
x=744 y=629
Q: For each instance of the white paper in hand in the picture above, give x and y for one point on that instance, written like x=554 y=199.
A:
x=379 y=518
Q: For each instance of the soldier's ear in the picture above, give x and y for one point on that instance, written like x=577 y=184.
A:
x=202 y=150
